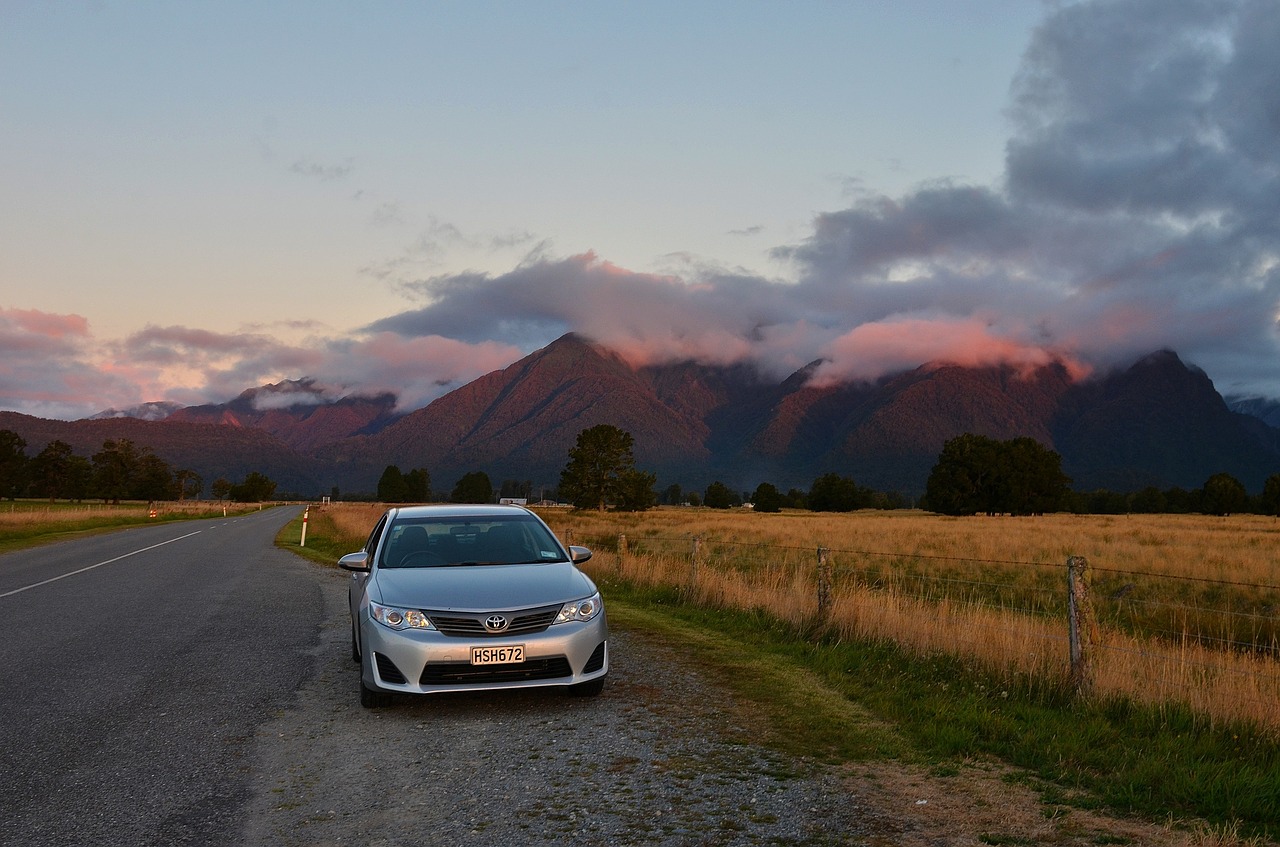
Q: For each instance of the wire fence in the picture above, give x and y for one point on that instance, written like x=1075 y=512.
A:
x=1211 y=645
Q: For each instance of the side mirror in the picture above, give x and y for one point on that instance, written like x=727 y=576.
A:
x=579 y=554
x=358 y=562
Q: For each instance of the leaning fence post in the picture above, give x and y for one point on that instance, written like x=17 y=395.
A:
x=824 y=582
x=693 y=563
x=1083 y=624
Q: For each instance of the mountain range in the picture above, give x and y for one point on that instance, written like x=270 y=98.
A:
x=1158 y=422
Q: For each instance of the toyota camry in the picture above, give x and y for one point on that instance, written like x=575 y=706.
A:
x=468 y=598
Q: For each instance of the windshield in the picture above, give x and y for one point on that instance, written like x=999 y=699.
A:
x=491 y=540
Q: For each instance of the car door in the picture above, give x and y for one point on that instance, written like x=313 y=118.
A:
x=356 y=587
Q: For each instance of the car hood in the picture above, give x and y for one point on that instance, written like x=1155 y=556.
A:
x=481 y=588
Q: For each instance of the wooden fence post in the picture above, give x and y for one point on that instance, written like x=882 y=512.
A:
x=622 y=545
x=697 y=554
x=1083 y=624
x=824 y=582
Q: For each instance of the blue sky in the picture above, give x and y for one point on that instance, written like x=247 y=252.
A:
x=202 y=197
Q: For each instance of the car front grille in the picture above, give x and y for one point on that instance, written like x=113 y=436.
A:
x=522 y=622
x=461 y=673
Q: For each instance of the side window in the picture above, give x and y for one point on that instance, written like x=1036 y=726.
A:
x=374 y=536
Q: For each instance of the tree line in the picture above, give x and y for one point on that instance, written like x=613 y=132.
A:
x=973 y=475
x=121 y=470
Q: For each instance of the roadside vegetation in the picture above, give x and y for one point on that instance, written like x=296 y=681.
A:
x=28 y=523
x=120 y=471
x=936 y=685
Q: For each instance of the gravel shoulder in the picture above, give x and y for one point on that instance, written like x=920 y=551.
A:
x=662 y=757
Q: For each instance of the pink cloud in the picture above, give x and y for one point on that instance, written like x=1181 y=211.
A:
x=45 y=323
x=874 y=349
x=40 y=332
x=417 y=370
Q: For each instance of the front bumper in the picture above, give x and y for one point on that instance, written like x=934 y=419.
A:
x=430 y=662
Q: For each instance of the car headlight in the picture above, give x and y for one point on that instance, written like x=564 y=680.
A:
x=581 y=610
x=396 y=618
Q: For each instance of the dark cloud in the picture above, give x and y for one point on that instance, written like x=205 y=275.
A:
x=645 y=316
x=1138 y=211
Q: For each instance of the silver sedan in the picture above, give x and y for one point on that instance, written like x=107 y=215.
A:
x=467 y=598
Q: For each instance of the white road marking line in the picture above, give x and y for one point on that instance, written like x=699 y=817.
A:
x=100 y=564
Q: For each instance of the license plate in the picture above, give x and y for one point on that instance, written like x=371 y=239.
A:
x=508 y=654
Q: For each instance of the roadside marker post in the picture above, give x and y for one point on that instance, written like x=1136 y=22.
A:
x=305 y=512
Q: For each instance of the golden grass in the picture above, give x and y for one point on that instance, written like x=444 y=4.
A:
x=1188 y=603
x=22 y=514
x=1239 y=547
x=351 y=522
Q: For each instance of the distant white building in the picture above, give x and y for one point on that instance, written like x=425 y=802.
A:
x=514 y=501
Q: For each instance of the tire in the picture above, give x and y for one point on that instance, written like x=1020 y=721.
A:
x=587 y=689
x=372 y=699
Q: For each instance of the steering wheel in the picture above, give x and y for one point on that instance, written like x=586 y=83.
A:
x=421 y=559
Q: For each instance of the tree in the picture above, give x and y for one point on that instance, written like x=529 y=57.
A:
x=58 y=472
x=1223 y=495
x=672 y=495
x=256 y=488
x=152 y=479
x=418 y=481
x=474 y=487
x=221 y=488
x=797 y=499
x=718 y=496
x=13 y=464
x=516 y=489
x=1034 y=482
x=114 y=469
x=1271 y=495
x=392 y=487
x=767 y=498
x=597 y=463
x=833 y=493
x=979 y=474
x=188 y=482
x=635 y=491
x=1149 y=501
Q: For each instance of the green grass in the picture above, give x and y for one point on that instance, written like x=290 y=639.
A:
x=323 y=549
x=848 y=702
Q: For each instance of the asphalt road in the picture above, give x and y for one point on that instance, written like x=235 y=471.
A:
x=136 y=668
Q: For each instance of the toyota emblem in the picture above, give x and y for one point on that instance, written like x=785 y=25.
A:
x=495 y=623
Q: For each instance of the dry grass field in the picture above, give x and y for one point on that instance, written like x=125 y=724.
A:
x=26 y=513
x=1188 y=606
x=25 y=523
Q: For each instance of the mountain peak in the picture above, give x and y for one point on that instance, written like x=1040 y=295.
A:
x=1158 y=422
x=156 y=410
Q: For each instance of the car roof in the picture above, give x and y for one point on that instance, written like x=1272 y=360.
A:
x=457 y=510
